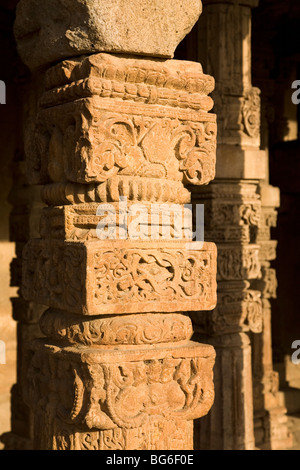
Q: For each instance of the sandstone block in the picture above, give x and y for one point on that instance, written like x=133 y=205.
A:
x=101 y=389
x=50 y=30
x=103 y=116
x=120 y=276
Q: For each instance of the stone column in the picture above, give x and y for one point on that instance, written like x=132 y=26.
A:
x=24 y=223
x=270 y=420
x=232 y=211
x=232 y=214
x=116 y=138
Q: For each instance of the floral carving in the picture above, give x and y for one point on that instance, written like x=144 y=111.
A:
x=120 y=280
x=148 y=276
x=251 y=112
x=90 y=144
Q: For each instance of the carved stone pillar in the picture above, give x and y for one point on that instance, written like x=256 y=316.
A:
x=115 y=136
x=232 y=214
x=270 y=420
x=232 y=211
x=24 y=224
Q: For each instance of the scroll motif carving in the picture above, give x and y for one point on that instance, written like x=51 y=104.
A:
x=84 y=142
x=121 y=280
x=124 y=330
x=137 y=276
x=251 y=112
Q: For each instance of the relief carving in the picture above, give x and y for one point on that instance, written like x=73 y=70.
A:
x=251 y=112
x=123 y=330
x=84 y=142
x=117 y=369
x=115 y=394
x=93 y=279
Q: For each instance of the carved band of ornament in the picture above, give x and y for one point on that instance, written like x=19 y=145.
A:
x=240 y=112
x=83 y=143
x=237 y=311
x=97 y=389
x=155 y=435
x=238 y=262
x=116 y=276
x=142 y=93
x=122 y=330
x=169 y=74
x=233 y=213
x=133 y=188
x=135 y=221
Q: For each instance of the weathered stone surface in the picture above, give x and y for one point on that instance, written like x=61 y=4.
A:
x=270 y=420
x=239 y=309
x=134 y=189
x=91 y=141
x=135 y=220
x=143 y=329
x=113 y=126
x=270 y=197
x=109 y=116
x=233 y=212
x=158 y=434
x=120 y=276
x=24 y=224
x=50 y=30
x=221 y=428
x=103 y=389
x=117 y=369
x=174 y=83
x=236 y=262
